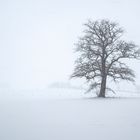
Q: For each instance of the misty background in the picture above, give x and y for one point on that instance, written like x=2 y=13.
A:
x=36 y=60
x=37 y=38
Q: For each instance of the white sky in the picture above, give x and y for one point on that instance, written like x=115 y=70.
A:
x=37 y=36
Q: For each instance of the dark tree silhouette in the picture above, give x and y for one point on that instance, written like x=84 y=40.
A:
x=101 y=51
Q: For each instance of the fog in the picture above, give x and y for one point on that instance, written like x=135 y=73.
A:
x=38 y=101
x=37 y=37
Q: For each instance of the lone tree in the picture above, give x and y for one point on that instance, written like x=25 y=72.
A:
x=101 y=51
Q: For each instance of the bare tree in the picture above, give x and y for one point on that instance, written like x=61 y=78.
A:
x=101 y=51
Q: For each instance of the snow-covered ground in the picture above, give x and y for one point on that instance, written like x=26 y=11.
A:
x=68 y=115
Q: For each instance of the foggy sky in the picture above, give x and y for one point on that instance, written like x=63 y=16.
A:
x=37 y=37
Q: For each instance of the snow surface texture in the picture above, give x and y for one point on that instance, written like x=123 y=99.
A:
x=50 y=117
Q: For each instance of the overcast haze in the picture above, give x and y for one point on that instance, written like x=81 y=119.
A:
x=37 y=37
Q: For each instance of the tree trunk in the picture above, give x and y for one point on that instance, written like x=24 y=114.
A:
x=103 y=87
x=103 y=73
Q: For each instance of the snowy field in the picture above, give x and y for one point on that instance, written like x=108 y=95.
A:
x=50 y=116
